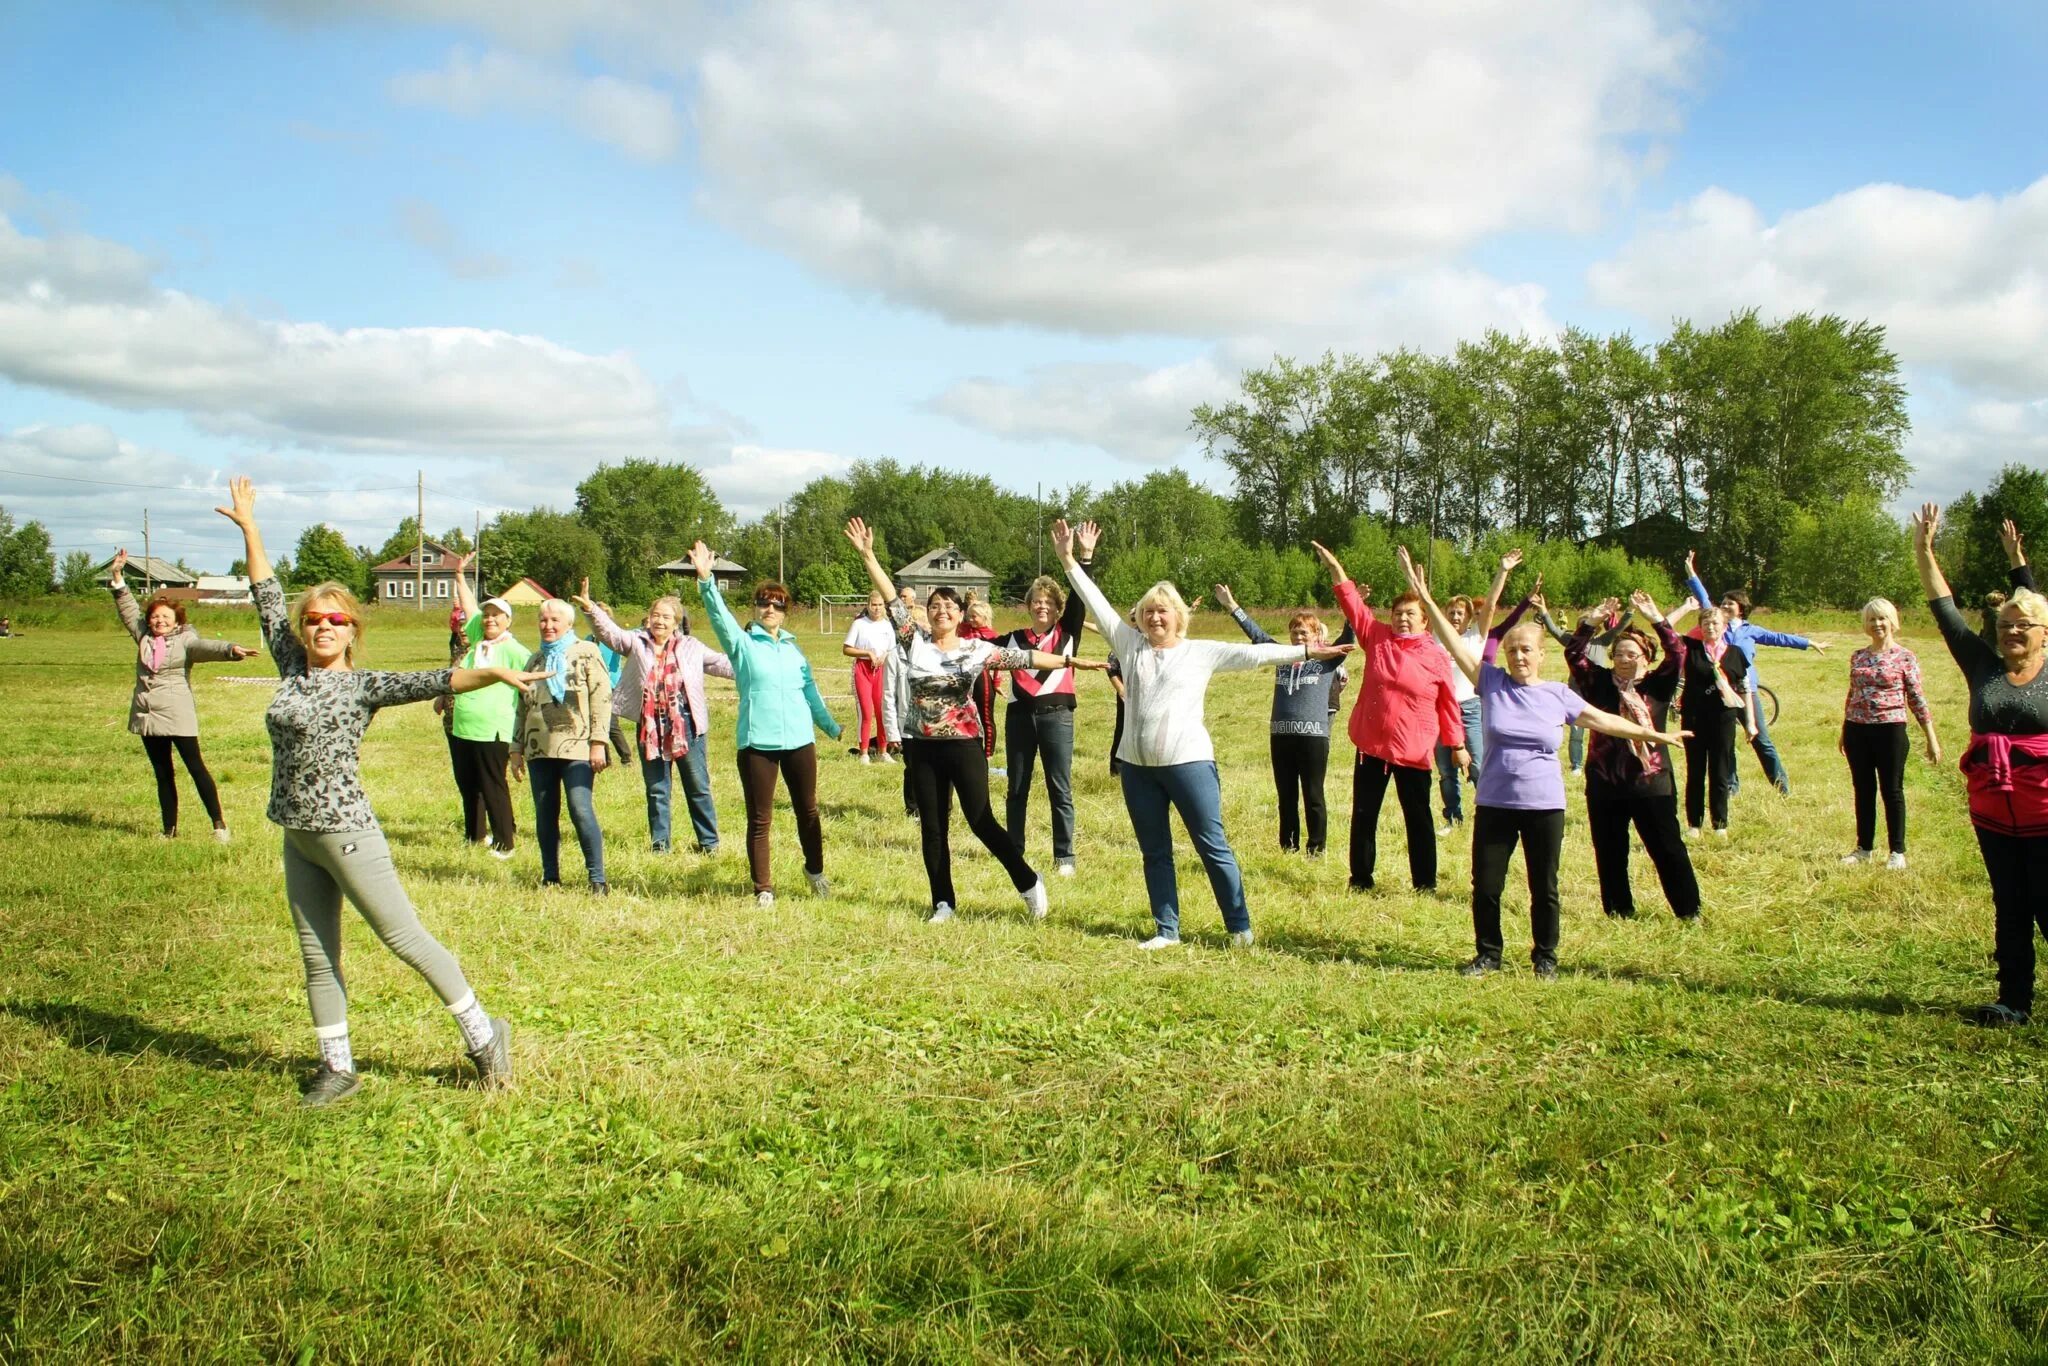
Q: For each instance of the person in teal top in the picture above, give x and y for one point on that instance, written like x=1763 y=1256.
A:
x=779 y=709
x=480 y=722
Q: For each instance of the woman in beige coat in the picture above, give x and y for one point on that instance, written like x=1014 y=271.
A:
x=162 y=711
x=559 y=733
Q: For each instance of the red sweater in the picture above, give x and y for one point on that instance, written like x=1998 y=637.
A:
x=1405 y=705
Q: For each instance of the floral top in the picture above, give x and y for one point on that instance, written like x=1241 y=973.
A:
x=1884 y=685
x=943 y=682
x=316 y=722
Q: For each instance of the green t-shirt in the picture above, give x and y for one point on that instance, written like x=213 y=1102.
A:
x=487 y=713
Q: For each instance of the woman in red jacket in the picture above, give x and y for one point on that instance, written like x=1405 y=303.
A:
x=1406 y=706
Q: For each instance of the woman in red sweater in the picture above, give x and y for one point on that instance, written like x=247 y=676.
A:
x=1406 y=707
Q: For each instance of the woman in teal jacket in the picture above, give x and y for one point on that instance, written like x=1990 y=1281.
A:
x=779 y=706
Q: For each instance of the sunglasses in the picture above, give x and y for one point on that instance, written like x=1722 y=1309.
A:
x=312 y=619
x=778 y=604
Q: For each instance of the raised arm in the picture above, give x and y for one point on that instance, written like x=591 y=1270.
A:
x=241 y=510
x=465 y=596
x=1460 y=652
x=1227 y=600
x=863 y=537
x=1542 y=606
x=602 y=623
x=1107 y=620
x=722 y=624
x=1673 y=662
x=124 y=601
x=1487 y=609
x=1351 y=597
x=2015 y=555
x=1693 y=584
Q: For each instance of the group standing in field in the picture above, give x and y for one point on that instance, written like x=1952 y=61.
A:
x=1443 y=692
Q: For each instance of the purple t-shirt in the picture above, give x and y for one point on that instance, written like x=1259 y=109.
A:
x=1522 y=724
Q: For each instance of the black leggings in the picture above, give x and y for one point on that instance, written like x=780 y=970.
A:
x=1369 y=778
x=1709 y=760
x=1877 y=765
x=480 y=778
x=1656 y=820
x=938 y=770
x=1495 y=832
x=1299 y=763
x=158 y=748
x=2018 y=866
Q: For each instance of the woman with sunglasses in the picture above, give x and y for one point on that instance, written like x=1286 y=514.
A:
x=333 y=846
x=2005 y=765
x=945 y=733
x=779 y=707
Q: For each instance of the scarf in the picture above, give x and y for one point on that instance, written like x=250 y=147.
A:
x=154 y=651
x=1715 y=649
x=1636 y=708
x=662 y=700
x=554 y=657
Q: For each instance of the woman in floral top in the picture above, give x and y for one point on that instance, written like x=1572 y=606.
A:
x=944 y=732
x=1884 y=686
x=333 y=847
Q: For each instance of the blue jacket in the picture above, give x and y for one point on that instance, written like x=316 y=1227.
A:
x=779 y=699
x=1741 y=632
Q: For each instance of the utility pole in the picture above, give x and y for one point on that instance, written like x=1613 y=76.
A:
x=476 y=555
x=419 y=552
x=1038 y=497
x=147 y=586
x=780 y=518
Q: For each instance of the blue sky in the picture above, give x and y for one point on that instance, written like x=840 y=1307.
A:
x=332 y=244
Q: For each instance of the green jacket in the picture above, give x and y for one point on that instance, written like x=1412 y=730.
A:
x=779 y=700
x=488 y=713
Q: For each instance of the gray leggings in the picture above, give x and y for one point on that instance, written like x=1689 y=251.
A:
x=319 y=870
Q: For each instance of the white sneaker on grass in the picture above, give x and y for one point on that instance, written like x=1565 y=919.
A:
x=866 y=757
x=1066 y=868
x=1240 y=939
x=1159 y=941
x=1692 y=832
x=1855 y=856
x=1036 y=901
x=221 y=835
x=941 y=913
x=819 y=885
x=1443 y=829
x=1720 y=832
x=764 y=899
x=1897 y=863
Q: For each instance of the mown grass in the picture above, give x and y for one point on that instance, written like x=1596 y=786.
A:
x=829 y=1131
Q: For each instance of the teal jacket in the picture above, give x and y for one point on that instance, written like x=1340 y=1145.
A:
x=779 y=700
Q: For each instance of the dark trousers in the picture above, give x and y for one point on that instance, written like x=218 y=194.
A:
x=1495 y=832
x=480 y=778
x=1033 y=735
x=1709 y=759
x=1656 y=820
x=1369 y=779
x=799 y=771
x=1299 y=763
x=158 y=748
x=939 y=771
x=1877 y=766
x=550 y=779
x=2018 y=865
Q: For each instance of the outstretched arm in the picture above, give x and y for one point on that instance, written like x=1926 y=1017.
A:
x=1227 y=600
x=1693 y=584
x=1460 y=652
x=863 y=537
x=1491 y=606
x=241 y=510
x=1926 y=522
x=124 y=601
x=2015 y=555
x=1621 y=728
x=1065 y=540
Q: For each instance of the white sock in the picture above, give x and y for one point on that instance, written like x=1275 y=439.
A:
x=476 y=1026
x=334 y=1049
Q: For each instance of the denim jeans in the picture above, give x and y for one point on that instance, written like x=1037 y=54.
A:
x=549 y=778
x=695 y=768
x=1447 y=766
x=1766 y=754
x=1196 y=791
x=1033 y=734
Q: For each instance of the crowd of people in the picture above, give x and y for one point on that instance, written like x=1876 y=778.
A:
x=1452 y=691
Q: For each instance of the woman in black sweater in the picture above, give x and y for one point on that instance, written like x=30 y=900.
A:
x=1715 y=699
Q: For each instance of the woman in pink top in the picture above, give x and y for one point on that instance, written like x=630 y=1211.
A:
x=1884 y=686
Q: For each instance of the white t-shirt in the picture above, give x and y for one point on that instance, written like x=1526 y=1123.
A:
x=1461 y=686
x=871 y=635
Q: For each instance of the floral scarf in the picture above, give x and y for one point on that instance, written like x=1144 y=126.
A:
x=1636 y=708
x=663 y=702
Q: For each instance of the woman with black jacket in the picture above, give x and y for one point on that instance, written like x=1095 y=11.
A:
x=1714 y=700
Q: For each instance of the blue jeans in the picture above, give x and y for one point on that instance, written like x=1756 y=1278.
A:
x=1196 y=792
x=1447 y=766
x=1766 y=754
x=695 y=768
x=549 y=778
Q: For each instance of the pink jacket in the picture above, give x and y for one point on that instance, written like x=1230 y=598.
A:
x=1406 y=706
x=696 y=658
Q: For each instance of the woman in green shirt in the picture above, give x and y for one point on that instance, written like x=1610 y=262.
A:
x=480 y=722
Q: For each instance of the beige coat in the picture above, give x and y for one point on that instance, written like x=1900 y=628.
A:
x=547 y=729
x=163 y=704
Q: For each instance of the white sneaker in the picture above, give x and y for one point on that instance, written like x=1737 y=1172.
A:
x=1036 y=901
x=1692 y=832
x=1855 y=857
x=1897 y=863
x=1159 y=941
x=941 y=913
x=887 y=757
x=1240 y=939
x=1443 y=830
x=999 y=773
x=764 y=899
x=501 y=854
x=221 y=836
x=1066 y=868
x=819 y=886
x=1720 y=832
x=866 y=757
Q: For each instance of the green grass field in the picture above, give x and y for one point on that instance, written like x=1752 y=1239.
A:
x=829 y=1131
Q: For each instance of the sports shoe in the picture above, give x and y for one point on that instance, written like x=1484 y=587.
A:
x=1692 y=833
x=886 y=758
x=501 y=854
x=999 y=773
x=494 y=1060
x=866 y=757
x=764 y=899
x=1855 y=856
x=1065 y=867
x=1479 y=966
x=600 y=889
x=658 y=847
x=1240 y=939
x=1160 y=941
x=1897 y=863
x=1720 y=832
x=1999 y=1015
x=941 y=913
x=328 y=1086
x=1443 y=829
x=819 y=886
x=221 y=835
x=1545 y=969
x=1036 y=901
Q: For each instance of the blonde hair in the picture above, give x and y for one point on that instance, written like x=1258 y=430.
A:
x=2031 y=604
x=344 y=597
x=1165 y=592
x=1522 y=626
x=560 y=605
x=1881 y=609
x=1048 y=587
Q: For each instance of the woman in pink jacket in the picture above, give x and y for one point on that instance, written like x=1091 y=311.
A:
x=1406 y=707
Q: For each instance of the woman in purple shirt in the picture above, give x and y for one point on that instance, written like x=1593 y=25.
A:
x=1521 y=791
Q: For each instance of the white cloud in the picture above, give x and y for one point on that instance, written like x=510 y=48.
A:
x=752 y=479
x=427 y=228
x=1960 y=439
x=638 y=119
x=1960 y=285
x=80 y=315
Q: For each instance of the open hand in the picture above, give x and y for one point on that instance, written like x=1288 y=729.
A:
x=1330 y=651
x=701 y=560
x=241 y=509
x=2009 y=537
x=1224 y=597
x=1510 y=561
x=240 y=652
x=862 y=535
x=582 y=598
x=1644 y=603
x=120 y=563
x=1330 y=562
x=1926 y=522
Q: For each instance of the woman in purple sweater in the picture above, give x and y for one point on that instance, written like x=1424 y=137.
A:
x=1521 y=791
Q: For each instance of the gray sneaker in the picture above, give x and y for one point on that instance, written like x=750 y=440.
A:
x=329 y=1086
x=819 y=885
x=494 y=1060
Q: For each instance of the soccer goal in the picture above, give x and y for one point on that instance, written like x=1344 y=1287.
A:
x=837 y=607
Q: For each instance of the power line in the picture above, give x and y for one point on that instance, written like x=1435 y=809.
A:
x=191 y=488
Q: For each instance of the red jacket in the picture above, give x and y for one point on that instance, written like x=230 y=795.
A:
x=1405 y=705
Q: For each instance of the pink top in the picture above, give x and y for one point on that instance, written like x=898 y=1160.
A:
x=1884 y=686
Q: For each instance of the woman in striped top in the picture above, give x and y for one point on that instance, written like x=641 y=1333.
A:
x=1884 y=686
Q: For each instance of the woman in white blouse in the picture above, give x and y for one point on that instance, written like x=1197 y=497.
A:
x=868 y=643
x=1166 y=759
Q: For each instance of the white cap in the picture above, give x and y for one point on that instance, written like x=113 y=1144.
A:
x=499 y=603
